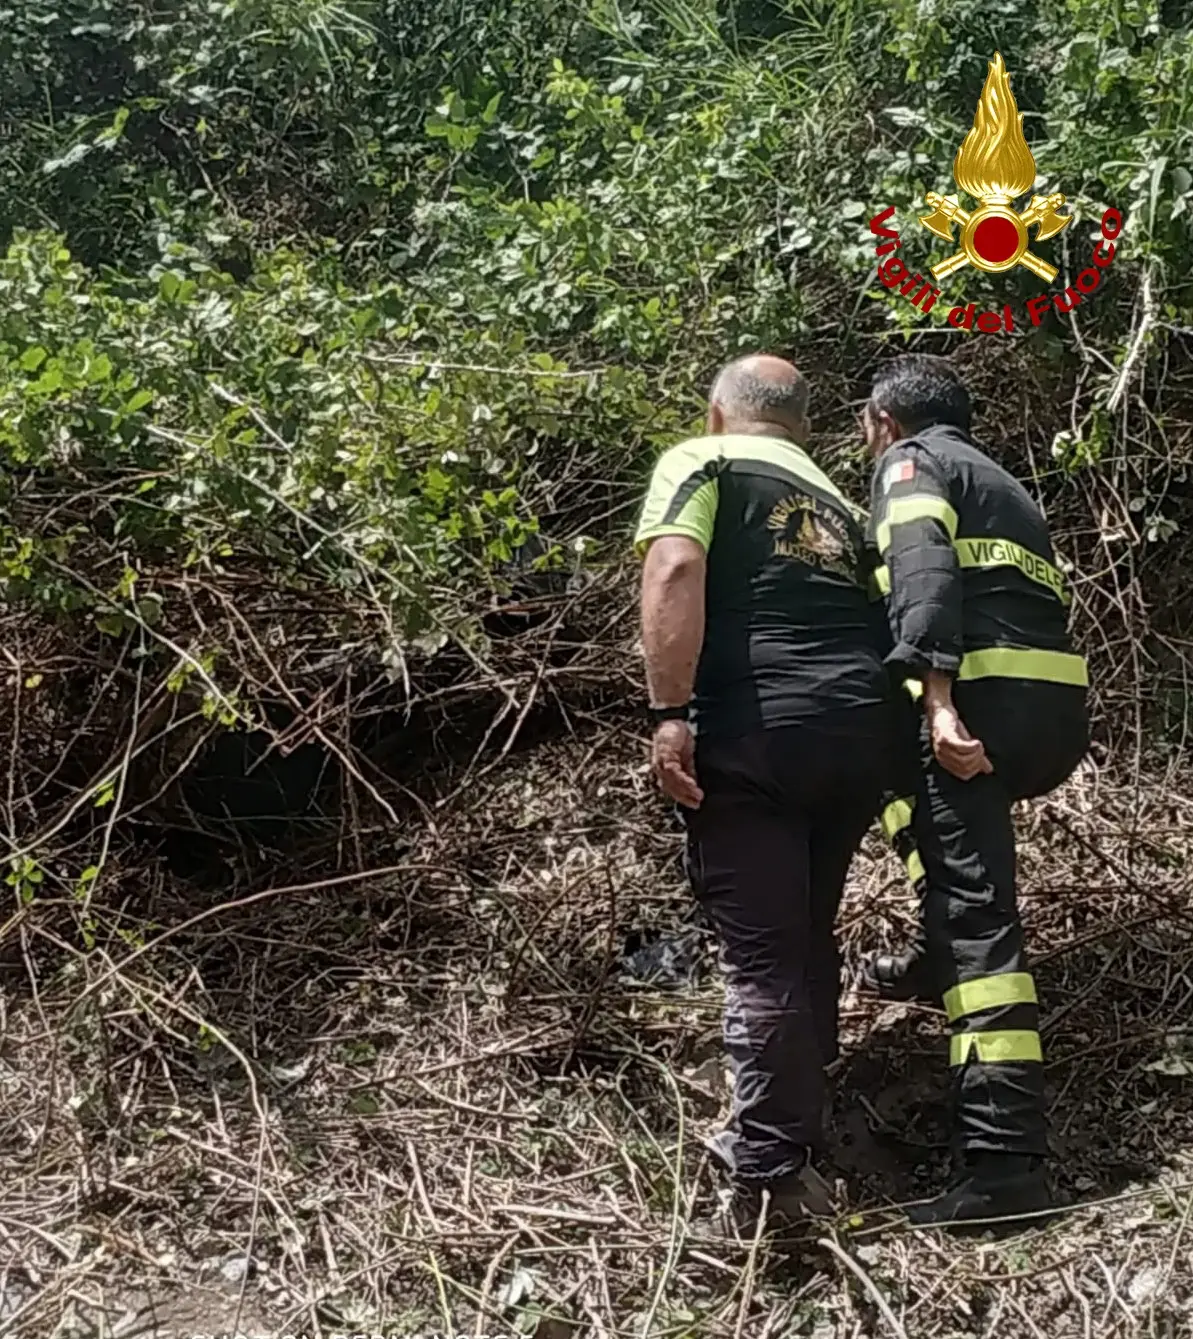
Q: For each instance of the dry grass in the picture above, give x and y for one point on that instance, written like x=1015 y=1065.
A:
x=427 y=1099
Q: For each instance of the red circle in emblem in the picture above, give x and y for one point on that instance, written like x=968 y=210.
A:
x=996 y=239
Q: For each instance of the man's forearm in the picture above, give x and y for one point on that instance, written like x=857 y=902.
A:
x=938 y=689
x=672 y=619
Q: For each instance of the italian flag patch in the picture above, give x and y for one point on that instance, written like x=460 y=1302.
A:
x=902 y=472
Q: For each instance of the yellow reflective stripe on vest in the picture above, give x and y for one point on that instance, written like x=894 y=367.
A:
x=915 y=867
x=995 y=1048
x=784 y=454
x=1012 y=662
x=895 y=817
x=989 y=992
x=987 y=553
x=917 y=507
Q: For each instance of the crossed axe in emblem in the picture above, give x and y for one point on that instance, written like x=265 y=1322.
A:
x=1041 y=211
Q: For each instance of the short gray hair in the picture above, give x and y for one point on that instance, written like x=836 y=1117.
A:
x=744 y=391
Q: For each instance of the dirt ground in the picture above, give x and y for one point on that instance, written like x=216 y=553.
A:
x=434 y=1100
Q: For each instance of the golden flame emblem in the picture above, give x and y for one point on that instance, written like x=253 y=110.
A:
x=995 y=165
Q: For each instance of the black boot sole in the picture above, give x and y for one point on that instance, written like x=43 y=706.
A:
x=1023 y=1213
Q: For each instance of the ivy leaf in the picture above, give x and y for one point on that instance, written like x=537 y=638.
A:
x=149 y=608
x=112 y=133
x=113 y=625
x=137 y=401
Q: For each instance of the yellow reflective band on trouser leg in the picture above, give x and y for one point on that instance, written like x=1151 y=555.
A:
x=896 y=819
x=897 y=816
x=989 y=992
x=1013 y=662
x=994 y=1048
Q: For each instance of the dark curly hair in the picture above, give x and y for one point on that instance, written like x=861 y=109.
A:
x=920 y=389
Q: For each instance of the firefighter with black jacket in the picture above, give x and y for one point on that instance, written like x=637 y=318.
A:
x=978 y=612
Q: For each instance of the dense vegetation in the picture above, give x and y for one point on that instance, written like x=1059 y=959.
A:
x=311 y=311
x=337 y=338
x=239 y=236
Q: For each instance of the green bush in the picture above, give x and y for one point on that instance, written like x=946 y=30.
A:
x=353 y=296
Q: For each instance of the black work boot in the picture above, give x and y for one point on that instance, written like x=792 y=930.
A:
x=795 y=1202
x=903 y=976
x=993 y=1186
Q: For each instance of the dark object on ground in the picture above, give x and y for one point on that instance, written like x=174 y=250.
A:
x=533 y=591
x=671 y=960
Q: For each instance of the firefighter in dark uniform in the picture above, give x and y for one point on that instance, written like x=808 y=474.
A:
x=757 y=629
x=978 y=613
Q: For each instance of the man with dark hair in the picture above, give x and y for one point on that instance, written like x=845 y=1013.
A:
x=756 y=626
x=978 y=613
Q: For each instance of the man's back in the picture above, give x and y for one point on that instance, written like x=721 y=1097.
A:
x=789 y=631
x=1013 y=597
x=755 y=609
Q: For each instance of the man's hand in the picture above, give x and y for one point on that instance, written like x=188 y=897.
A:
x=673 y=757
x=955 y=748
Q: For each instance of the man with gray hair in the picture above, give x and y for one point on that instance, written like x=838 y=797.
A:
x=758 y=631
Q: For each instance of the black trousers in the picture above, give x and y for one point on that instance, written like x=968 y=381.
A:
x=784 y=812
x=958 y=840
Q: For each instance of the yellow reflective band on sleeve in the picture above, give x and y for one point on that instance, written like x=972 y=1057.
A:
x=986 y=553
x=917 y=507
x=896 y=816
x=695 y=519
x=1011 y=662
x=683 y=493
x=989 y=992
x=915 y=867
x=882 y=579
x=915 y=689
x=995 y=1048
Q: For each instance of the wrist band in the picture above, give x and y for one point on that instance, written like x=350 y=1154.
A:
x=660 y=714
